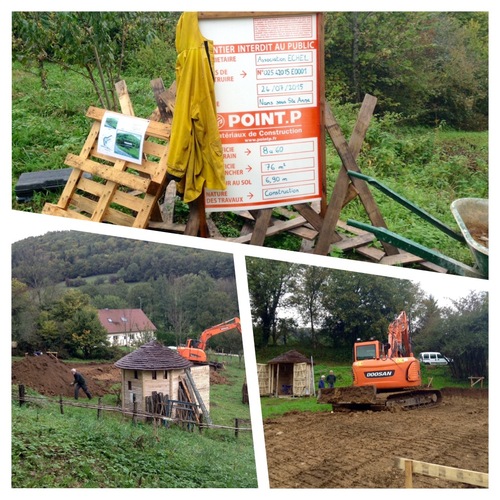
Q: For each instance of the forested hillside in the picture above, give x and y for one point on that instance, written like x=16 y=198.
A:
x=61 y=279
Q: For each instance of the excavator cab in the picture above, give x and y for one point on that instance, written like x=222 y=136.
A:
x=366 y=350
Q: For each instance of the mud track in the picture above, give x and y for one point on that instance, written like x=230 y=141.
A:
x=358 y=449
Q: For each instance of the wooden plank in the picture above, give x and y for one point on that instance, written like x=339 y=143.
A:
x=147 y=205
x=310 y=215
x=168 y=97
x=304 y=232
x=277 y=227
x=401 y=258
x=124 y=98
x=444 y=472
x=114 y=174
x=348 y=154
x=196 y=224
x=77 y=175
x=262 y=220
x=154 y=129
x=327 y=234
x=354 y=242
x=213 y=230
x=51 y=209
x=371 y=253
x=408 y=474
x=168 y=227
x=158 y=88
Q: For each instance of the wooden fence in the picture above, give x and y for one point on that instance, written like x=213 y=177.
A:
x=440 y=471
x=184 y=419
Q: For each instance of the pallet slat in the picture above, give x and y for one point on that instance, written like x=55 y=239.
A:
x=119 y=192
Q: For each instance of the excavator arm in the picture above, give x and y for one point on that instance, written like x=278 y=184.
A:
x=195 y=349
x=399 y=337
x=215 y=330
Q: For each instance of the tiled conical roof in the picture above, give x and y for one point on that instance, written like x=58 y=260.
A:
x=153 y=356
x=290 y=357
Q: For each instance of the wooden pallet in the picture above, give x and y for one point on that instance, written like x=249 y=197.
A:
x=118 y=192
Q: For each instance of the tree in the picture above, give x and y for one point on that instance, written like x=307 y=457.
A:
x=268 y=283
x=362 y=306
x=306 y=293
x=94 y=44
x=76 y=323
x=24 y=314
x=464 y=335
x=430 y=67
x=86 y=332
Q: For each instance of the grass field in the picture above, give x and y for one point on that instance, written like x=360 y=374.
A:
x=438 y=376
x=76 y=450
x=428 y=167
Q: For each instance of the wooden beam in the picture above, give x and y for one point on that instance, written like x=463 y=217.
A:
x=441 y=471
x=348 y=154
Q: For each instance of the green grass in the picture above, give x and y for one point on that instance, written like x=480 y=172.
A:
x=429 y=167
x=275 y=407
x=76 y=450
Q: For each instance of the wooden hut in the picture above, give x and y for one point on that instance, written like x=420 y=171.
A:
x=153 y=370
x=289 y=374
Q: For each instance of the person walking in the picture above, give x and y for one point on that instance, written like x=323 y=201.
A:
x=79 y=383
x=331 y=379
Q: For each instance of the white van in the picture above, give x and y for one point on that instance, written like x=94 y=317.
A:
x=433 y=358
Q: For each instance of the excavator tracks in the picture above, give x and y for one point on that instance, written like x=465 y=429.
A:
x=411 y=400
x=367 y=398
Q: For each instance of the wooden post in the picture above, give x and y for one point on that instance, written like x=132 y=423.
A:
x=236 y=427
x=348 y=154
x=99 y=408
x=197 y=223
x=21 y=395
x=61 y=406
x=134 y=414
x=408 y=474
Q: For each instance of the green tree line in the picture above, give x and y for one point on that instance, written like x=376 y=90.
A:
x=430 y=68
x=61 y=279
x=314 y=308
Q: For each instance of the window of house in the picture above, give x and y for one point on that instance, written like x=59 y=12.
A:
x=165 y=374
x=136 y=374
x=153 y=374
x=129 y=385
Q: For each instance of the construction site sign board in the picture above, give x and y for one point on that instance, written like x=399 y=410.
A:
x=268 y=108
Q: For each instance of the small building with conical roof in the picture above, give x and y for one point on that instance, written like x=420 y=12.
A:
x=155 y=368
x=289 y=374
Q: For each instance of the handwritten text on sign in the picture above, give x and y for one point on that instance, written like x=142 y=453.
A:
x=266 y=87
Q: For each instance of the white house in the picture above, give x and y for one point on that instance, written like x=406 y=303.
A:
x=127 y=326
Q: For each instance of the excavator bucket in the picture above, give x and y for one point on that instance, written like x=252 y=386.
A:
x=366 y=395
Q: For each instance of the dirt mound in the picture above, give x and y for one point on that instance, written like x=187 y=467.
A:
x=52 y=377
x=217 y=378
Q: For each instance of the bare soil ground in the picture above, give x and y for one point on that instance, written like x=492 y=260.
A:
x=50 y=376
x=327 y=450
x=358 y=449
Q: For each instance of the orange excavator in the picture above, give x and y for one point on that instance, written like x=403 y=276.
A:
x=194 y=350
x=385 y=375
